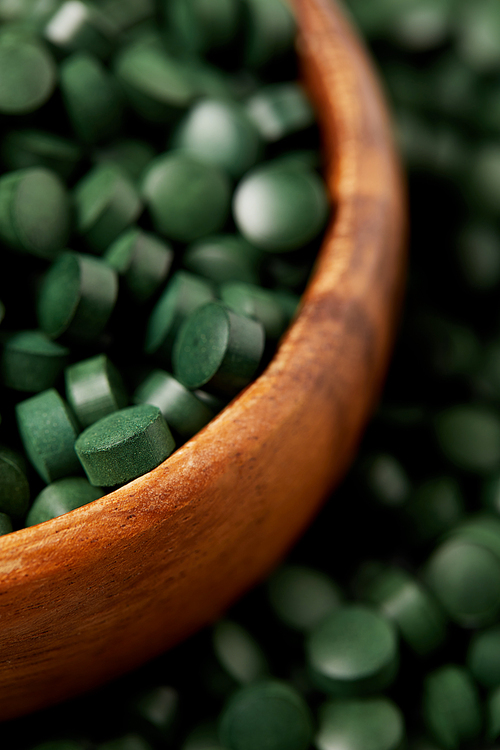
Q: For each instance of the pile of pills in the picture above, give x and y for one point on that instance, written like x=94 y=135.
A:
x=160 y=210
x=382 y=629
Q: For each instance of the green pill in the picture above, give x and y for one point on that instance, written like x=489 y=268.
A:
x=369 y=723
x=5 y=524
x=433 y=508
x=450 y=706
x=279 y=110
x=465 y=578
x=267 y=714
x=32 y=362
x=218 y=350
x=410 y=607
x=353 y=651
x=270 y=32
x=203 y=27
x=157 y=85
x=34 y=212
x=14 y=486
x=48 y=431
x=129 y=154
x=222 y=258
x=183 y=294
x=187 y=199
x=143 y=261
x=238 y=652
x=28 y=74
x=124 y=445
x=77 y=297
x=91 y=96
x=23 y=149
x=60 y=497
x=107 y=203
x=469 y=437
x=256 y=302
x=183 y=411
x=302 y=597
x=94 y=389
x=278 y=208
x=483 y=657
x=78 y=26
x=221 y=133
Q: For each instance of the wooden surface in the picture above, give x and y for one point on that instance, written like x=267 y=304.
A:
x=97 y=592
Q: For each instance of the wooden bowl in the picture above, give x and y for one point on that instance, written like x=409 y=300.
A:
x=97 y=592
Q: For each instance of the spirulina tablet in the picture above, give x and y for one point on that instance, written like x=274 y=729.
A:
x=91 y=96
x=14 y=486
x=80 y=26
x=77 y=297
x=279 y=208
x=34 y=212
x=48 y=431
x=107 y=202
x=223 y=257
x=22 y=149
x=451 y=707
x=302 y=597
x=483 y=657
x=221 y=133
x=353 y=651
x=238 y=652
x=94 y=389
x=358 y=724
x=187 y=198
x=28 y=74
x=256 y=302
x=280 y=109
x=5 y=524
x=268 y=714
x=184 y=412
x=182 y=295
x=465 y=578
x=124 y=445
x=60 y=497
x=469 y=437
x=218 y=350
x=32 y=362
x=142 y=259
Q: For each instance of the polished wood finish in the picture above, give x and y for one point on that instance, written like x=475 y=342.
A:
x=96 y=592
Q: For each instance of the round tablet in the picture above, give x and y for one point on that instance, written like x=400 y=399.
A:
x=450 y=706
x=32 y=362
x=280 y=109
x=107 y=202
x=238 y=653
x=182 y=295
x=91 y=96
x=434 y=507
x=278 y=208
x=48 y=431
x=223 y=257
x=465 y=579
x=60 y=497
x=77 y=297
x=35 y=212
x=94 y=389
x=142 y=259
x=23 y=149
x=124 y=445
x=268 y=714
x=78 y=25
x=221 y=133
x=483 y=657
x=183 y=411
x=28 y=74
x=301 y=597
x=353 y=651
x=469 y=437
x=256 y=302
x=374 y=723
x=217 y=349
x=187 y=198
x=409 y=606
x=5 y=524
x=14 y=486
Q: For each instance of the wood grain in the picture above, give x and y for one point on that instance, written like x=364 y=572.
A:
x=96 y=592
